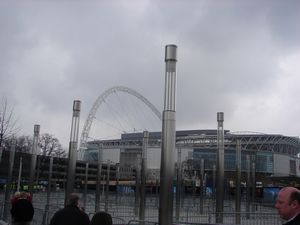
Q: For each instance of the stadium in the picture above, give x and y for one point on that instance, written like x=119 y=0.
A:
x=273 y=156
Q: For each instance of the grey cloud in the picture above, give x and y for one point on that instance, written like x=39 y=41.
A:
x=284 y=20
x=56 y=52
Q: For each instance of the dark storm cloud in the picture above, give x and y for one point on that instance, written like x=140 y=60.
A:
x=228 y=51
x=284 y=19
x=234 y=53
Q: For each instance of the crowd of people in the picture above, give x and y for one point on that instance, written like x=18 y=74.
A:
x=22 y=211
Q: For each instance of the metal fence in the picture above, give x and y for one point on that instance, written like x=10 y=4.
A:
x=125 y=210
x=232 y=218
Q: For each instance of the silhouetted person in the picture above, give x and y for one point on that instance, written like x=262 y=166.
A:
x=22 y=210
x=71 y=214
x=101 y=218
x=288 y=205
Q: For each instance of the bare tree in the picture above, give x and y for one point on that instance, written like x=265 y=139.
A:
x=24 y=144
x=8 y=124
x=50 y=145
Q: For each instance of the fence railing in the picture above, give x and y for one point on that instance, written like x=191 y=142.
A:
x=124 y=210
x=243 y=218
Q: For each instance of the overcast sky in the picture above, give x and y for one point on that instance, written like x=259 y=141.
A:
x=238 y=57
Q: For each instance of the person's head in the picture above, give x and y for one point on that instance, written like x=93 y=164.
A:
x=101 y=218
x=21 y=195
x=288 y=202
x=22 y=211
x=73 y=200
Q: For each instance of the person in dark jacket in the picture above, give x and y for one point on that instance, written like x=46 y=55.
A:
x=101 y=218
x=288 y=205
x=22 y=210
x=71 y=214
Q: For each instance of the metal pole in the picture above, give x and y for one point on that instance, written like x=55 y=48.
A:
x=33 y=158
x=49 y=180
x=8 y=186
x=137 y=186
x=182 y=183
x=118 y=179
x=98 y=186
x=201 y=184
x=143 y=175
x=178 y=186
x=194 y=186
x=38 y=169
x=46 y=213
x=214 y=172
x=103 y=188
x=253 y=182
x=107 y=186
x=20 y=174
x=238 y=182
x=168 y=138
x=86 y=183
x=73 y=149
x=220 y=169
x=1 y=150
x=248 y=186
x=157 y=185
x=204 y=184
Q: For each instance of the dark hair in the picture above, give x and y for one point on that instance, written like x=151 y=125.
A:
x=101 y=218
x=22 y=211
x=73 y=200
x=295 y=195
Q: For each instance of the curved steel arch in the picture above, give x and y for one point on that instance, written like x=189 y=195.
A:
x=98 y=102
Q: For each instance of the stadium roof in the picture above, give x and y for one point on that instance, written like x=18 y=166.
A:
x=208 y=139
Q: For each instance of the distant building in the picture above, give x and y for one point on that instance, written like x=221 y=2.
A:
x=275 y=156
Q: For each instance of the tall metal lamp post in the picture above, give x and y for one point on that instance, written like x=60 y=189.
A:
x=33 y=158
x=220 y=169
x=168 y=139
x=73 y=149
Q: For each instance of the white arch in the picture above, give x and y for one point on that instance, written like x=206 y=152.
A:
x=98 y=102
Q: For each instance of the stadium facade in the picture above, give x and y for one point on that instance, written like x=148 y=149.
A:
x=273 y=156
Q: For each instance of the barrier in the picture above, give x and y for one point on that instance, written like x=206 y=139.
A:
x=144 y=222
x=123 y=211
